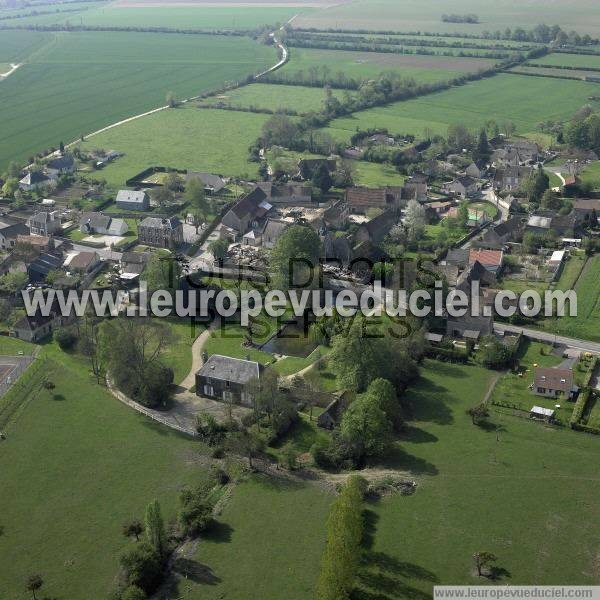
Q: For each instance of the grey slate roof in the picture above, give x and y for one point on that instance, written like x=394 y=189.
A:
x=158 y=223
x=62 y=162
x=226 y=368
x=131 y=196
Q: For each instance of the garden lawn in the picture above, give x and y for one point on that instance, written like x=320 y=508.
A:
x=75 y=465
x=228 y=339
x=186 y=138
x=274 y=97
x=375 y=174
x=530 y=498
x=515 y=98
x=82 y=81
x=367 y=65
x=293 y=364
x=179 y=352
x=514 y=389
x=591 y=175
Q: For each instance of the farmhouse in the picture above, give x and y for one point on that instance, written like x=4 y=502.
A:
x=512 y=177
x=458 y=257
x=415 y=187
x=463 y=186
x=469 y=327
x=361 y=199
x=476 y=170
x=61 y=165
x=286 y=193
x=39 y=242
x=43 y=264
x=226 y=378
x=376 y=229
x=490 y=259
x=133 y=263
x=44 y=223
x=496 y=237
x=272 y=231
x=212 y=183
x=553 y=382
x=37 y=327
x=96 y=222
x=132 y=200
x=10 y=232
x=36 y=179
x=83 y=261
x=475 y=272
x=246 y=213
x=162 y=233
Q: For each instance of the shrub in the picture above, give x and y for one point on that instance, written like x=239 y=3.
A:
x=133 y=593
x=195 y=514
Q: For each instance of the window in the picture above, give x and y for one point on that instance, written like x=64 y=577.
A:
x=541 y=390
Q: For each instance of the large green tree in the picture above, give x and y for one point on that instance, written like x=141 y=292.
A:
x=295 y=258
x=155 y=528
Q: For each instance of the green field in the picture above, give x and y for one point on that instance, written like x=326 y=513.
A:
x=552 y=72
x=75 y=466
x=16 y=46
x=187 y=17
x=80 y=82
x=366 y=65
x=375 y=174
x=47 y=13
x=415 y=15
x=187 y=138
x=591 y=175
x=586 y=325
x=274 y=97
x=474 y=492
x=503 y=98
x=581 y=61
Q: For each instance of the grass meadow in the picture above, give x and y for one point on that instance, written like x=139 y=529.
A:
x=365 y=65
x=521 y=491
x=523 y=100
x=591 y=175
x=76 y=465
x=586 y=325
x=415 y=15
x=186 y=138
x=274 y=97
x=581 y=61
x=81 y=81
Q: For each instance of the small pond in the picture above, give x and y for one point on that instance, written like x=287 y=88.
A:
x=291 y=341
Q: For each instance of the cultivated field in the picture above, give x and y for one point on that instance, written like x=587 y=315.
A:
x=273 y=97
x=515 y=98
x=80 y=82
x=366 y=65
x=16 y=46
x=209 y=16
x=415 y=15
x=187 y=138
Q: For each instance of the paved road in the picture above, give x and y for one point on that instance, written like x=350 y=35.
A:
x=544 y=336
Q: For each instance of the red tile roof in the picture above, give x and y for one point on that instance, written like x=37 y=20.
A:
x=485 y=257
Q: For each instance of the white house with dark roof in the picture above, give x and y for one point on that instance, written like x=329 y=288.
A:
x=36 y=179
x=225 y=378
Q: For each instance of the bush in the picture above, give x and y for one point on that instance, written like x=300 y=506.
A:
x=195 y=514
x=65 y=337
x=143 y=567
